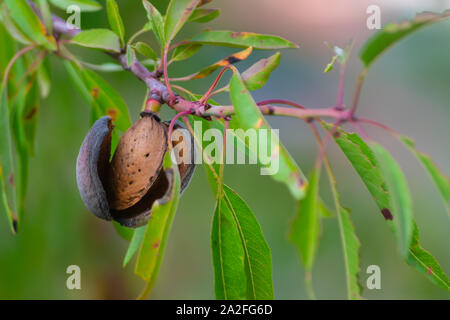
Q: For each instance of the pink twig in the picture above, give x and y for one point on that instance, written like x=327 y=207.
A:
x=173 y=121
x=281 y=101
x=166 y=77
x=207 y=95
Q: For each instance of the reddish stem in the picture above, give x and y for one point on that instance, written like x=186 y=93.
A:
x=166 y=77
x=173 y=121
x=281 y=101
x=207 y=95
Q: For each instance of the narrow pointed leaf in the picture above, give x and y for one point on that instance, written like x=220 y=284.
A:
x=242 y=39
x=204 y=15
x=135 y=243
x=441 y=180
x=351 y=247
x=131 y=56
x=124 y=232
x=250 y=117
x=7 y=186
x=230 y=281
x=367 y=166
x=232 y=59
x=330 y=65
x=257 y=75
x=185 y=51
x=115 y=21
x=84 y=5
x=145 y=50
x=12 y=27
x=44 y=8
x=304 y=232
x=156 y=22
x=98 y=38
x=236 y=214
x=400 y=197
x=424 y=262
x=177 y=14
x=157 y=231
x=29 y=23
x=394 y=32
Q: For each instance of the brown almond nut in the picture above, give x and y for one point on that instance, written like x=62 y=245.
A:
x=92 y=161
x=97 y=178
x=137 y=162
x=184 y=148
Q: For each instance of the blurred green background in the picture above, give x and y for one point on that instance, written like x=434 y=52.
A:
x=408 y=89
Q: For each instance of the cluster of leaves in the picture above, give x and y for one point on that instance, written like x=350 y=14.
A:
x=241 y=256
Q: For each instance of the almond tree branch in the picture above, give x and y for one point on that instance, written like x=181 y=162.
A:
x=158 y=91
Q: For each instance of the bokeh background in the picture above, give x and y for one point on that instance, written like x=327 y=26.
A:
x=408 y=89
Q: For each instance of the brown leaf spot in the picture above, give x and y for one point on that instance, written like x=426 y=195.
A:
x=237 y=34
x=11 y=179
x=429 y=270
x=156 y=245
x=232 y=59
x=94 y=92
x=387 y=214
x=30 y=115
x=112 y=113
x=15 y=224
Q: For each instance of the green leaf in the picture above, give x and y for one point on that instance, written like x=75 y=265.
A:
x=366 y=165
x=241 y=256
x=439 y=178
x=248 y=116
x=305 y=227
x=135 y=243
x=12 y=28
x=351 y=245
x=155 y=22
x=241 y=39
x=177 y=14
x=350 y=242
x=186 y=51
x=115 y=21
x=84 y=5
x=44 y=9
x=257 y=75
x=29 y=114
x=29 y=23
x=204 y=15
x=329 y=66
x=131 y=56
x=424 y=262
x=232 y=59
x=393 y=32
x=124 y=232
x=145 y=50
x=98 y=38
x=7 y=187
x=103 y=98
x=43 y=74
x=400 y=196
x=23 y=125
x=230 y=281
x=158 y=229
x=115 y=67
